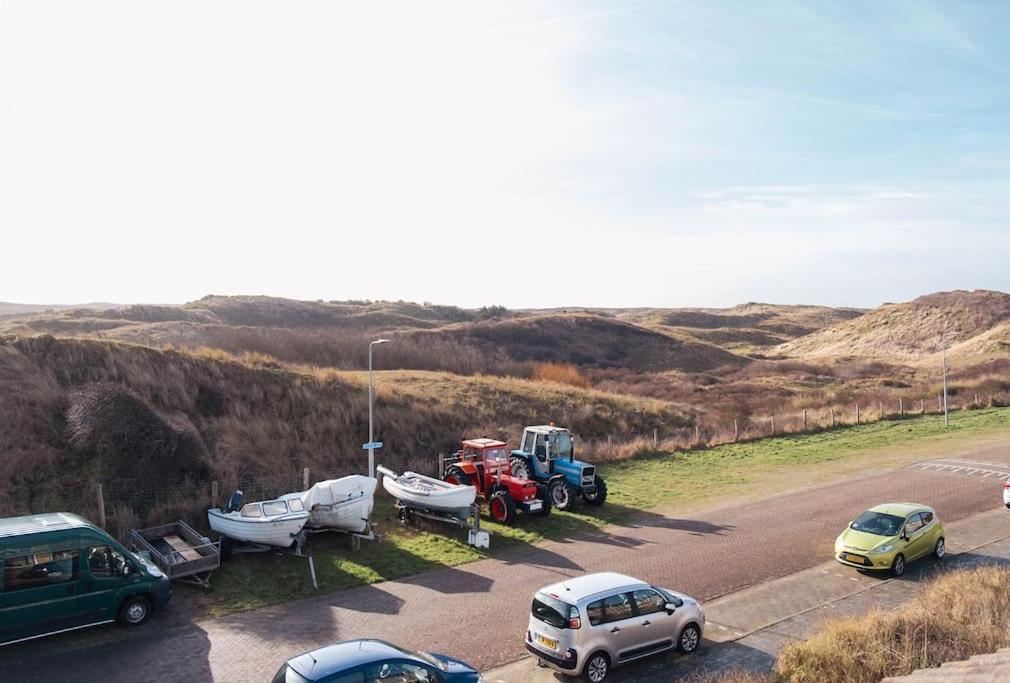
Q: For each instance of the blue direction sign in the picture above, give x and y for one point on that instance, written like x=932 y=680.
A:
x=372 y=444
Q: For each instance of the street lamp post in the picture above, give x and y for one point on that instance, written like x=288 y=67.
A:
x=371 y=393
x=943 y=353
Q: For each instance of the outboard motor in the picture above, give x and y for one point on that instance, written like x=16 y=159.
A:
x=235 y=502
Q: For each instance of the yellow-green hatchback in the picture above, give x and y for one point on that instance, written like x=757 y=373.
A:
x=889 y=536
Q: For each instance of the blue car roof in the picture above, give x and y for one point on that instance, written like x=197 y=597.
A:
x=345 y=655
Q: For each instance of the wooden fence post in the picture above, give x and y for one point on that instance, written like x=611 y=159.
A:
x=939 y=402
x=213 y=494
x=101 y=507
x=305 y=479
x=857 y=413
x=773 y=425
x=610 y=444
x=901 y=407
x=736 y=430
x=976 y=400
x=804 y=419
x=697 y=434
x=880 y=406
x=832 y=416
x=922 y=406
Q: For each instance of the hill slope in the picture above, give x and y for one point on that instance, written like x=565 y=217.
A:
x=908 y=330
x=78 y=411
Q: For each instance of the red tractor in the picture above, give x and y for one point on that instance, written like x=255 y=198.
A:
x=484 y=463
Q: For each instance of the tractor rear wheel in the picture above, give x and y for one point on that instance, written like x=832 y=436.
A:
x=600 y=495
x=562 y=493
x=455 y=475
x=544 y=496
x=501 y=507
x=520 y=468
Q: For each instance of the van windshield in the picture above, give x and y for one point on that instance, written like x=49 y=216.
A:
x=550 y=610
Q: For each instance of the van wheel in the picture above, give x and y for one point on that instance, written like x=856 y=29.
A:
x=135 y=611
x=596 y=669
x=689 y=639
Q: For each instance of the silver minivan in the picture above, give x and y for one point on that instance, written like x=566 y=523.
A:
x=588 y=625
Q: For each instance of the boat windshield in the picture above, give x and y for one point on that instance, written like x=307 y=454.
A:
x=296 y=505
x=252 y=510
x=274 y=508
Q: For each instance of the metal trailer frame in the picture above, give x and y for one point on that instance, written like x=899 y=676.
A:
x=172 y=563
x=475 y=537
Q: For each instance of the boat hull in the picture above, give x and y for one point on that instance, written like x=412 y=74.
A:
x=344 y=503
x=277 y=531
x=424 y=493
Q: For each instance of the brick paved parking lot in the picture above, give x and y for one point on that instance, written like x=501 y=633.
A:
x=479 y=611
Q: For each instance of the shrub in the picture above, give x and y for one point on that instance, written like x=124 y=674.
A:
x=959 y=615
x=560 y=373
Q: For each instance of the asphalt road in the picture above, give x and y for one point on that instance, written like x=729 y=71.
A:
x=478 y=612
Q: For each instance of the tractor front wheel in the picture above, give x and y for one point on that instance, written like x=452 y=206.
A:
x=520 y=468
x=455 y=475
x=544 y=496
x=501 y=507
x=562 y=494
x=598 y=496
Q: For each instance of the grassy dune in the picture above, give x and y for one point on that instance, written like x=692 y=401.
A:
x=649 y=481
x=974 y=619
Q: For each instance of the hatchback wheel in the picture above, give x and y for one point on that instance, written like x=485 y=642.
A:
x=596 y=668
x=941 y=548
x=689 y=639
x=898 y=566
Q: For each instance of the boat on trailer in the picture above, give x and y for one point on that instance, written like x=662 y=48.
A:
x=427 y=493
x=343 y=504
x=277 y=523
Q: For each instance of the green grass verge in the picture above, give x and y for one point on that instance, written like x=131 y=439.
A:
x=640 y=483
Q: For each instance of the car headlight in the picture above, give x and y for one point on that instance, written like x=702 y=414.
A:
x=882 y=549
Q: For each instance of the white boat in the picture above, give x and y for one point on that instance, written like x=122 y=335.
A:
x=426 y=493
x=344 y=503
x=269 y=522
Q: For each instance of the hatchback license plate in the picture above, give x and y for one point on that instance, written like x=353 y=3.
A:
x=549 y=642
x=854 y=558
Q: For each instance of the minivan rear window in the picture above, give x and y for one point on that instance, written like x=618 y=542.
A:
x=550 y=610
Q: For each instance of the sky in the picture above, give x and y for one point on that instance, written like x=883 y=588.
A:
x=526 y=154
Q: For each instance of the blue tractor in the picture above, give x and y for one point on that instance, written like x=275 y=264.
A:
x=547 y=455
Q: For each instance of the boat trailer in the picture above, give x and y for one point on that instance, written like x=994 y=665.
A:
x=476 y=536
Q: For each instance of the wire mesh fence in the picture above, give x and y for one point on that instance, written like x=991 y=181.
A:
x=124 y=504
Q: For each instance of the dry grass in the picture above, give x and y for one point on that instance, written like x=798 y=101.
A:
x=957 y=616
x=560 y=373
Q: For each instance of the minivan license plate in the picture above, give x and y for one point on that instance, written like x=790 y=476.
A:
x=549 y=642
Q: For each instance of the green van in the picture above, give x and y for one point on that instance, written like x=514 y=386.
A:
x=61 y=572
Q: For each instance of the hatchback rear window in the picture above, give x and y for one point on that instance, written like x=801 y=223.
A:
x=550 y=610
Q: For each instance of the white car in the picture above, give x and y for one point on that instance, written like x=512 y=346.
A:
x=588 y=625
x=1006 y=493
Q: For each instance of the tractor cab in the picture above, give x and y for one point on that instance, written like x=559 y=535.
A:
x=489 y=457
x=547 y=455
x=485 y=464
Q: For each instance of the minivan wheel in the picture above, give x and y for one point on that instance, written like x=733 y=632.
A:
x=898 y=566
x=596 y=668
x=135 y=610
x=941 y=548
x=689 y=639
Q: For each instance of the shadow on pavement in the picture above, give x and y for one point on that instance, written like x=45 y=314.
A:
x=367 y=599
x=450 y=580
x=85 y=655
